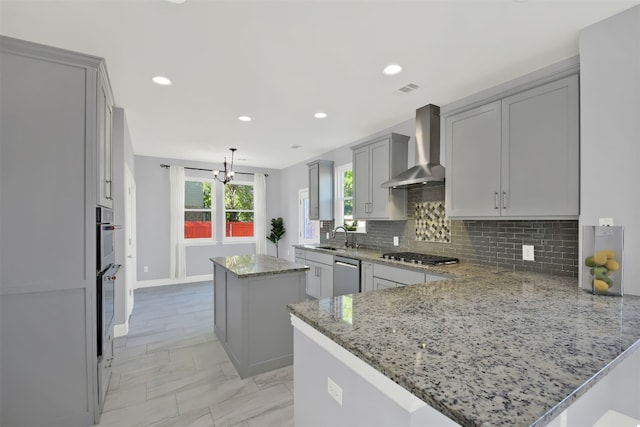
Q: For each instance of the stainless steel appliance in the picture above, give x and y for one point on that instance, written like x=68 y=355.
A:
x=418 y=258
x=107 y=270
x=346 y=276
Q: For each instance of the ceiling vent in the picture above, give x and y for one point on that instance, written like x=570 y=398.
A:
x=407 y=89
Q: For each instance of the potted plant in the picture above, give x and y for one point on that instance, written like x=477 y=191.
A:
x=277 y=231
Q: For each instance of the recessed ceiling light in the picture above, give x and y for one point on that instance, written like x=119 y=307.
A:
x=244 y=118
x=392 y=69
x=320 y=115
x=296 y=146
x=176 y=1
x=162 y=81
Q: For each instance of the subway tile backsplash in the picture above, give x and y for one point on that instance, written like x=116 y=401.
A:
x=485 y=242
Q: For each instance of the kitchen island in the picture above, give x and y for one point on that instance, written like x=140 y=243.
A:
x=488 y=348
x=251 y=293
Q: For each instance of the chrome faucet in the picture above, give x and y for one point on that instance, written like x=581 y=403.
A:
x=346 y=235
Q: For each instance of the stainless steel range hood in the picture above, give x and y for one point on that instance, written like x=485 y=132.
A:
x=428 y=169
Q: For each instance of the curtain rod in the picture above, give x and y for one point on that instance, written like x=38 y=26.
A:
x=209 y=170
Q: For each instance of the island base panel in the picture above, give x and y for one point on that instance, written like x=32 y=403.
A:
x=363 y=401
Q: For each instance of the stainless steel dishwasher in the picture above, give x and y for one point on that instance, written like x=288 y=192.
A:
x=346 y=276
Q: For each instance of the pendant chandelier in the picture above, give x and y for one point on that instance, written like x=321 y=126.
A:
x=227 y=174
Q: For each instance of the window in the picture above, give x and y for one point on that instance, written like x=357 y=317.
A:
x=238 y=210
x=309 y=229
x=344 y=200
x=198 y=209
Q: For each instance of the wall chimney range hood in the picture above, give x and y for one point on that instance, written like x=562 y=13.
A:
x=428 y=169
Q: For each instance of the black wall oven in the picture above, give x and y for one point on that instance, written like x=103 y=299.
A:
x=106 y=274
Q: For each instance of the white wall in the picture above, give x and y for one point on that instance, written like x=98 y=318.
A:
x=296 y=177
x=610 y=131
x=152 y=183
x=122 y=156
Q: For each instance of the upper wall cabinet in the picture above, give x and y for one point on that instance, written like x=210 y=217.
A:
x=375 y=162
x=517 y=157
x=105 y=146
x=321 y=190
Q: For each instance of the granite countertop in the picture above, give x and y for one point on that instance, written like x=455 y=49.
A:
x=489 y=347
x=374 y=255
x=257 y=265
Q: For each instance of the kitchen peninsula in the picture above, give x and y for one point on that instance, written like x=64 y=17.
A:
x=251 y=293
x=489 y=347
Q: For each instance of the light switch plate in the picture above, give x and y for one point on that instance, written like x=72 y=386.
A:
x=396 y=241
x=334 y=390
x=528 y=253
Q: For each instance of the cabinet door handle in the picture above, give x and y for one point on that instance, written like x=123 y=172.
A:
x=495 y=200
x=504 y=200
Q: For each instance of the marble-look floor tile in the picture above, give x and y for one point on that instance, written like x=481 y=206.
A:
x=214 y=392
x=277 y=376
x=180 y=381
x=124 y=397
x=198 y=418
x=280 y=417
x=141 y=414
x=172 y=371
x=243 y=408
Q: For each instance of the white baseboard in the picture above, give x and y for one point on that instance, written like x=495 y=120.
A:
x=167 y=282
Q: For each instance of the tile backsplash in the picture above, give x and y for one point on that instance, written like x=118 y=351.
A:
x=484 y=242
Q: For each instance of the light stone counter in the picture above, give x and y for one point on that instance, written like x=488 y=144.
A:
x=489 y=347
x=257 y=265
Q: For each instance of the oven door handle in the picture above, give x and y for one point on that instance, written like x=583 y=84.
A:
x=112 y=227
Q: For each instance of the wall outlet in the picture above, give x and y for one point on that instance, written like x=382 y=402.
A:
x=327 y=235
x=606 y=221
x=334 y=390
x=527 y=253
x=145 y=268
x=396 y=241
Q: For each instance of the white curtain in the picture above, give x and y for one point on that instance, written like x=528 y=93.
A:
x=176 y=241
x=260 y=212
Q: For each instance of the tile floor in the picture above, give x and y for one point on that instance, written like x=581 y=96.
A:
x=171 y=370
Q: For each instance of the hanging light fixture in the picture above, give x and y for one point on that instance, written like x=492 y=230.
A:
x=227 y=174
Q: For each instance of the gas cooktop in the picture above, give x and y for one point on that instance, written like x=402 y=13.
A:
x=417 y=258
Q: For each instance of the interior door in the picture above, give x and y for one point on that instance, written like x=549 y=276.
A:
x=130 y=239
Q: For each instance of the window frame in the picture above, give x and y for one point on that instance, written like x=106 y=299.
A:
x=339 y=197
x=223 y=215
x=301 y=219
x=200 y=240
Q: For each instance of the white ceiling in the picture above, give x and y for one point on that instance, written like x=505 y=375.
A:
x=281 y=61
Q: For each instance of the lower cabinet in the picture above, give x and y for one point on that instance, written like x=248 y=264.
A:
x=319 y=280
x=320 y=273
x=366 y=276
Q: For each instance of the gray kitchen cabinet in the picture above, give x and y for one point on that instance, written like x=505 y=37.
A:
x=251 y=318
x=379 y=283
x=320 y=274
x=366 y=276
x=105 y=142
x=321 y=190
x=517 y=157
x=375 y=162
x=49 y=132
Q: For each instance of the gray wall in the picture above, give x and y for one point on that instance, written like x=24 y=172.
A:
x=610 y=131
x=122 y=155
x=152 y=204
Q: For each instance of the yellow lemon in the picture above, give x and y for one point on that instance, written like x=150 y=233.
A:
x=612 y=265
x=609 y=254
x=600 y=285
x=599 y=258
